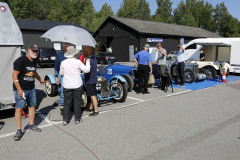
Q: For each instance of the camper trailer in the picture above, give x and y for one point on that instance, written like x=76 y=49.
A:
x=10 y=49
x=216 y=49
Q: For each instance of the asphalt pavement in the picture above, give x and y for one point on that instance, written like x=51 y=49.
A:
x=183 y=125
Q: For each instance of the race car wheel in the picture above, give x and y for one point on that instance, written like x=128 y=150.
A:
x=189 y=76
x=130 y=82
x=51 y=89
x=228 y=72
x=211 y=73
x=85 y=100
x=101 y=61
x=121 y=90
x=202 y=70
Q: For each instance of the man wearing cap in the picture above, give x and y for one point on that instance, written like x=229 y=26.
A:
x=71 y=69
x=58 y=78
x=144 y=61
x=181 y=64
x=24 y=72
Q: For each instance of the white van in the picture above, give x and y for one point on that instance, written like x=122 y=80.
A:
x=10 y=49
x=215 y=49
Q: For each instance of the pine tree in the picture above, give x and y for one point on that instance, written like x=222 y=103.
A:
x=128 y=9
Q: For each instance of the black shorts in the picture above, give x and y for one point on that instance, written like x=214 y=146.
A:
x=91 y=90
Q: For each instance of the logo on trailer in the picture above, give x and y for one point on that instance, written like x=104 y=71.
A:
x=2 y=8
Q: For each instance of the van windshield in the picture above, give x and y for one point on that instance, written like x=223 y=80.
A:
x=47 y=52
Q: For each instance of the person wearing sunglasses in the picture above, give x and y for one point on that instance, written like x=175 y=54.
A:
x=181 y=64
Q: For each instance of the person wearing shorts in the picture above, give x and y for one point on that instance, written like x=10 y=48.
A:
x=24 y=72
x=91 y=81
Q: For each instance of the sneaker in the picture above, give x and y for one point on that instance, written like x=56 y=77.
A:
x=89 y=110
x=65 y=123
x=78 y=121
x=94 y=114
x=61 y=107
x=18 y=135
x=34 y=128
x=146 y=92
x=182 y=85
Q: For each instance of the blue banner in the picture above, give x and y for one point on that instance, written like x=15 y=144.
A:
x=158 y=40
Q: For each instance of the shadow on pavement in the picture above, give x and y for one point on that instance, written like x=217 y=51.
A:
x=1 y=124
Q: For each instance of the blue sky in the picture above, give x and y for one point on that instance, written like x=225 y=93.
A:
x=232 y=5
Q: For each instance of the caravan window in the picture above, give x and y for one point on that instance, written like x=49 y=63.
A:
x=192 y=46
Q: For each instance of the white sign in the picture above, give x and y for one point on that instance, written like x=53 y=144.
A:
x=154 y=54
x=57 y=46
x=158 y=40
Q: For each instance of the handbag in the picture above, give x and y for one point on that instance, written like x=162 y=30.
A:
x=151 y=79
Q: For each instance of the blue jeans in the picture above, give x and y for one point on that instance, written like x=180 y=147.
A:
x=30 y=98
x=60 y=79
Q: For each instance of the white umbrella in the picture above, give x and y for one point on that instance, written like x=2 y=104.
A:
x=70 y=34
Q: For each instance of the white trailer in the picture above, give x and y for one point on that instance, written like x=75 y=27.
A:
x=216 y=49
x=10 y=49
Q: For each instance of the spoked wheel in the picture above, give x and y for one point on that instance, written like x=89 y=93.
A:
x=85 y=100
x=129 y=81
x=189 y=76
x=120 y=89
x=210 y=72
x=101 y=61
x=50 y=88
x=202 y=70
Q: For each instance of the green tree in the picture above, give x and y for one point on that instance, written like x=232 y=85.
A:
x=202 y=13
x=143 y=10
x=24 y=9
x=164 y=11
x=128 y=9
x=101 y=16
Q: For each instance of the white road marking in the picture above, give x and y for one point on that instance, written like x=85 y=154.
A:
x=44 y=117
x=50 y=123
x=135 y=99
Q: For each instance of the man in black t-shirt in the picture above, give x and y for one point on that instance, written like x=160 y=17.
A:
x=202 y=55
x=24 y=72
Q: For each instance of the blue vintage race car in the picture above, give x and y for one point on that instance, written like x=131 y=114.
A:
x=115 y=88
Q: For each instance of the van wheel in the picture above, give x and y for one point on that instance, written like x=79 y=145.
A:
x=129 y=81
x=211 y=73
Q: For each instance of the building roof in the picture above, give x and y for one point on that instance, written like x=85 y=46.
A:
x=150 y=27
x=28 y=24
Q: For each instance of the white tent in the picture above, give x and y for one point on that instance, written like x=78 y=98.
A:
x=10 y=49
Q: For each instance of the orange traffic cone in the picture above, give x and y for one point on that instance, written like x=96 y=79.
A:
x=224 y=77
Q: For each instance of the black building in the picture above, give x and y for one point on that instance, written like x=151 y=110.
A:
x=33 y=29
x=127 y=36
